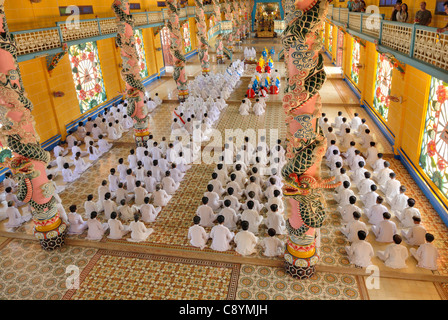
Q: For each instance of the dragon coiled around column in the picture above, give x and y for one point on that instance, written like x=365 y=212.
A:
x=22 y=152
x=176 y=45
x=219 y=44
x=203 y=42
x=306 y=143
x=130 y=72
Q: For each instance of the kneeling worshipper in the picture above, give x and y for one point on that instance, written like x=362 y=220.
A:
x=197 y=235
x=96 y=229
x=116 y=228
x=245 y=240
x=221 y=236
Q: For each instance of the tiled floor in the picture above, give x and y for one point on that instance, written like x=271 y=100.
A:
x=118 y=273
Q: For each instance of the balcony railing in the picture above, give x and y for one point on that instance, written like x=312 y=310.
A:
x=415 y=43
x=37 y=42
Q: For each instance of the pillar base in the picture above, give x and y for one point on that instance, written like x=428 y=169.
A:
x=53 y=239
x=300 y=268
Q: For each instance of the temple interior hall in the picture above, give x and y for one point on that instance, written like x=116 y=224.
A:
x=64 y=65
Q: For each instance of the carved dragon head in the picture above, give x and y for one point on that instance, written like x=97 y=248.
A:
x=305 y=185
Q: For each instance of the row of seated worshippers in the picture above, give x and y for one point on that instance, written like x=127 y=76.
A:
x=369 y=173
x=206 y=100
x=245 y=193
x=92 y=139
x=151 y=174
x=258 y=108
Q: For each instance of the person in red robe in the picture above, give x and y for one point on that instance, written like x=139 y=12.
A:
x=258 y=68
x=273 y=89
x=250 y=93
x=267 y=69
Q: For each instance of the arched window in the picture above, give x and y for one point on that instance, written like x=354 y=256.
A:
x=330 y=40
x=186 y=34
x=434 y=152
x=354 y=74
x=140 y=46
x=383 y=84
x=86 y=70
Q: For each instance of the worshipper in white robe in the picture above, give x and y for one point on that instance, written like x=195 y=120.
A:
x=157 y=99
x=59 y=150
x=236 y=205
x=341 y=176
x=132 y=159
x=347 y=138
x=205 y=212
x=112 y=132
x=102 y=190
x=344 y=125
x=407 y=214
x=383 y=175
x=125 y=211
x=116 y=228
x=276 y=199
x=96 y=132
x=362 y=127
x=168 y=183
x=253 y=217
x=130 y=181
x=77 y=224
x=331 y=136
x=9 y=196
x=360 y=252
x=197 y=235
x=366 y=138
x=330 y=150
x=325 y=125
x=15 y=219
x=415 y=236
x=355 y=122
x=68 y=175
x=426 y=254
x=369 y=199
x=148 y=211
x=385 y=230
x=358 y=174
x=351 y=229
x=337 y=120
x=335 y=158
x=96 y=229
x=140 y=193
x=139 y=232
x=371 y=154
x=275 y=220
x=176 y=174
x=342 y=198
x=80 y=165
x=161 y=198
x=151 y=105
x=90 y=206
x=230 y=215
x=109 y=205
x=364 y=184
x=378 y=165
x=217 y=185
x=245 y=240
x=258 y=108
x=122 y=169
x=214 y=202
x=395 y=254
x=113 y=181
x=347 y=210
x=400 y=201
x=349 y=155
x=375 y=214
x=94 y=153
x=70 y=139
x=244 y=108
x=256 y=188
x=357 y=158
x=272 y=246
x=221 y=236
x=392 y=187
x=103 y=145
x=150 y=182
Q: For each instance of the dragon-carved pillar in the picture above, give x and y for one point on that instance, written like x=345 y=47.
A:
x=228 y=14
x=179 y=74
x=306 y=143
x=202 y=40
x=135 y=90
x=219 y=43
x=22 y=152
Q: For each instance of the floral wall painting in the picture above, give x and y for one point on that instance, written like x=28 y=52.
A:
x=87 y=76
x=383 y=85
x=354 y=73
x=434 y=152
x=186 y=34
x=140 y=46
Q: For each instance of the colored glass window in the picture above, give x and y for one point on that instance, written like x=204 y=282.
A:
x=383 y=84
x=140 y=46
